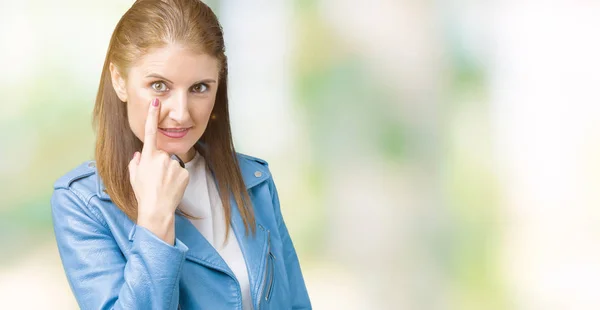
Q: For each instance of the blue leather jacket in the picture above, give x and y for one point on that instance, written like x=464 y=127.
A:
x=111 y=263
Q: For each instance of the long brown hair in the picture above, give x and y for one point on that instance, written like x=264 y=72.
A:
x=152 y=24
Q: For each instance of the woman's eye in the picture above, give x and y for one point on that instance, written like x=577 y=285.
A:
x=200 y=88
x=159 y=86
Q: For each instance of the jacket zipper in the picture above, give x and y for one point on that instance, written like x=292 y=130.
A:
x=262 y=287
x=272 y=275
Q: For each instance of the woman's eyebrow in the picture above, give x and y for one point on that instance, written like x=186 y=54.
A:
x=158 y=76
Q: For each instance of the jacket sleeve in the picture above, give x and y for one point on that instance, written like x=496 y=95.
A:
x=299 y=295
x=97 y=271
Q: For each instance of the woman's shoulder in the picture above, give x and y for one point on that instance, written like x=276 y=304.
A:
x=81 y=180
x=246 y=157
x=254 y=170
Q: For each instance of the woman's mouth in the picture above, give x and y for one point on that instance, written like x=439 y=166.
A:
x=175 y=133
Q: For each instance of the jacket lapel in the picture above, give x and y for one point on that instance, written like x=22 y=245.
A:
x=254 y=248
x=200 y=250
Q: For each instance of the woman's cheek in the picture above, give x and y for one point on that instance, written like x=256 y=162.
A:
x=139 y=93
x=144 y=95
x=137 y=112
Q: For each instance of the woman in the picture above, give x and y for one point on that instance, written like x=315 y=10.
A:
x=204 y=231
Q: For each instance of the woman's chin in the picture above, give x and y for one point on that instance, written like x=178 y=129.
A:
x=183 y=150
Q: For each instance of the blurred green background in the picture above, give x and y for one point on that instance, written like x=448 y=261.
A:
x=428 y=154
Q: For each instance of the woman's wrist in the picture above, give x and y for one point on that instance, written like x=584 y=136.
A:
x=161 y=226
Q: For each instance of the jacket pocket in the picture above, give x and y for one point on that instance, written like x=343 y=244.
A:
x=271 y=259
x=266 y=291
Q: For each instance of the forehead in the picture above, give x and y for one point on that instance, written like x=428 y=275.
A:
x=176 y=63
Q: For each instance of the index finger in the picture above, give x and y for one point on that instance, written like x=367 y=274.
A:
x=151 y=126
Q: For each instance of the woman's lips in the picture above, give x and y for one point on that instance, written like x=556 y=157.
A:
x=175 y=133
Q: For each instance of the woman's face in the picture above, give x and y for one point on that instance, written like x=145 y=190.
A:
x=186 y=84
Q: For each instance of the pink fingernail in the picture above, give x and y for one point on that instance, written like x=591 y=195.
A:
x=155 y=102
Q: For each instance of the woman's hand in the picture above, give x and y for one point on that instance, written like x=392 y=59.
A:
x=158 y=182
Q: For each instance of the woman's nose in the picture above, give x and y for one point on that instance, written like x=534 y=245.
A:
x=178 y=109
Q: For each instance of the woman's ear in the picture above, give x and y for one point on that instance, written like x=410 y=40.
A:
x=118 y=82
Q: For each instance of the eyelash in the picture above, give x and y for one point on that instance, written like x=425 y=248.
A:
x=207 y=87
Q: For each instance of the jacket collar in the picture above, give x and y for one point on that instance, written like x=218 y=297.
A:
x=254 y=171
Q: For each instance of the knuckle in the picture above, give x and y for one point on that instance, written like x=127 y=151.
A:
x=174 y=163
x=162 y=156
x=185 y=178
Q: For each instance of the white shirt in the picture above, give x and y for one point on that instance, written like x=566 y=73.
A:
x=201 y=199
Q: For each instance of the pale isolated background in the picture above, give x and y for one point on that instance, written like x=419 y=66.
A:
x=428 y=154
